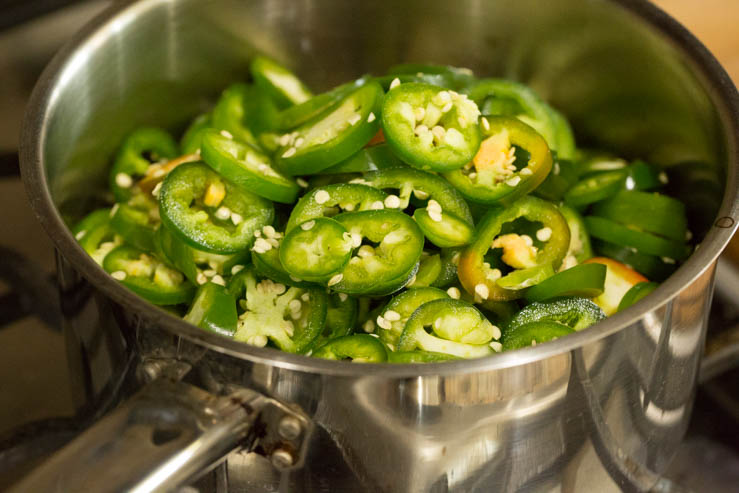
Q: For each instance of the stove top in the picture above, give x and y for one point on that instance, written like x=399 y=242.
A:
x=38 y=412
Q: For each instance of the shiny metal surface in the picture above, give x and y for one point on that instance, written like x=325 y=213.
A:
x=599 y=410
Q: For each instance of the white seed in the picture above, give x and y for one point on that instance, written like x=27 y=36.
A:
x=299 y=142
x=419 y=113
x=668 y=260
x=527 y=239
x=494 y=275
x=354 y=119
x=385 y=324
x=392 y=202
x=435 y=215
x=290 y=152
x=302 y=183
x=438 y=132
x=201 y=279
x=365 y=251
x=454 y=138
x=442 y=97
x=472 y=175
x=421 y=129
x=688 y=235
x=356 y=240
x=114 y=209
x=348 y=207
x=514 y=181
x=322 y=196
x=296 y=315
x=262 y=244
x=123 y=180
x=485 y=123
x=285 y=140
x=223 y=213
x=274 y=242
x=395 y=83
x=454 y=293
x=343 y=297
x=236 y=269
x=295 y=279
x=662 y=177
x=369 y=326
x=462 y=121
x=295 y=305
x=496 y=346
x=392 y=316
x=279 y=288
x=263 y=168
x=156 y=189
x=420 y=194
x=336 y=279
x=446 y=108
x=269 y=231
x=308 y=225
x=226 y=134
x=371 y=117
x=236 y=218
x=526 y=172
x=210 y=272
x=544 y=234
x=482 y=291
x=555 y=168
x=80 y=235
x=305 y=296
x=433 y=205
x=118 y=275
x=218 y=280
x=377 y=205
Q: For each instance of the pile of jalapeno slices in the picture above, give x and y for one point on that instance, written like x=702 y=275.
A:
x=420 y=216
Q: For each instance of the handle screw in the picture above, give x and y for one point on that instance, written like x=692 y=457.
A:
x=289 y=428
x=281 y=458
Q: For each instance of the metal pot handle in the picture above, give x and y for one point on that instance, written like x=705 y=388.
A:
x=167 y=434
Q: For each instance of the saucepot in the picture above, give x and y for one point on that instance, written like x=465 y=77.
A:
x=600 y=410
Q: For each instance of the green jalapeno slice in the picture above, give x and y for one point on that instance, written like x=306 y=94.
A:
x=247 y=167
x=595 y=188
x=317 y=249
x=329 y=200
x=265 y=256
x=584 y=280
x=141 y=148
x=429 y=270
x=429 y=127
x=96 y=236
x=213 y=309
x=148 y=277
x=334 y=136
x=190 y=141
x=651 y=266
x=419 y=357
x=456 y=328
x=279 y=82
x=579 y=249
x=613 y=232
x=137 y=221
x=534 y=333
x=519 y=251
x=370 y=158
x=576 y=313
x=442 y=75
x=288 y=317
x=210 y=213
x=360 y=348
x=387 y=246
x=492 y=176
x=443 y=229
x=391 y=320
x=636 y=293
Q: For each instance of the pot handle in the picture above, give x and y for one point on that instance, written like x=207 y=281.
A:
x=167 y=434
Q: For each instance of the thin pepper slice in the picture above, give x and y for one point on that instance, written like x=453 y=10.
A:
x=479 y=279
x=371 y=158
x=210 y=213
x=213 y=309
x=580 y=248
x=332 y=199
x=247 y=167
x=360 y=348
x=534 y=333
x=393 y=317
x=585 y=280
x=429 y=127
x=450 y=327
x=576 y=313
x=613 y=232
x=492 y=177
x=443 y=229
x=619 y=280
x=595 y=188
x=317 y=249
x=636 y=293
x=243 y=111
x=334 y=136
x=190 y=141
x=649 y=266
x=95 y=235
x=281 y=84
x=429 y=270
x=136 y=221
x=445 y=75
x=418 y=357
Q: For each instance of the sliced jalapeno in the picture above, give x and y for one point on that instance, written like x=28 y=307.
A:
x=213 y=309
x=282 y=85
x=492 y=176
x=456 y=328
x=140 y=148
x=595 y=188
x=341 y=316
x=562 y=177
x=519 y=251
x=443 y=229
x=620 y=279
x=444 y=75
x=317 y=249
x=332 y=199
x=429 y=270
x=393 y=317
x=245 y=111
x=290 y=318
x=418 y=357
x=136 y=221
x=265 y=256
x=616 y=233
x=298 y=114
x=576 y=313
x=190 y=141
x=449 y=262
x=650 y=266
x=247 y=168
x=388 y=259
x=95 y=235
x=360 y=348
x=580 y=248
x=335 y=136
x=210 y=213
x=585 y=280
x=429 y=127
x=148 y=277
x=636 y=293
x=371 y=158
x=534 y=333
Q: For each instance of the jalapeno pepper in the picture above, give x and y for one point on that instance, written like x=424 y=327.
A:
x=431 y=128
x=190 y=141
x=648 y=265
x=562 y=177
x=290 y=318
x=141 y=148
x=534 y=333
x=213 y=309
x=210 y=213
x=393 y=317
x=645 y=176
x=376 y=157
x=335 y=136
x=616 y=233
x=585 y=280
x=281 y=84
x=136 y=221
x=636 y=293
x=95 y=235
x=579 y=249
x=449 y=262
x=331 y=199
x=360 y=348
x=429 y=270
x=385 y=267
x=590 y=162
x=265 y=256
x=476 y=275
x=650 y=212
x=341 y=316
x=418 y=357
x=595 y=188
x=492 y=176
x=576 y=313
x=317 y=249
x=456 y=328
x=444 y=75
x=148 y=277
x=298 y=114
x=619 y=280
x=247 y=168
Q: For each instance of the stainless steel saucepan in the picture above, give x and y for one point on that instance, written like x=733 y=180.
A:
x=600 y=410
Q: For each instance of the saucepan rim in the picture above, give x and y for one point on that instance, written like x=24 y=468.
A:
x=42 y=105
